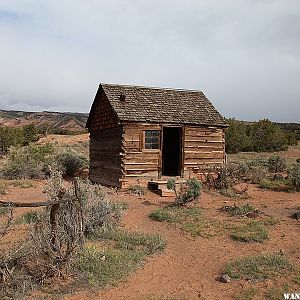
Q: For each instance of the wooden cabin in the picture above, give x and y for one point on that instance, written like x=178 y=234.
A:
x=140 y=134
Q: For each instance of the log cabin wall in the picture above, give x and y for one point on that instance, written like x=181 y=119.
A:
x=105 y=143
x=105 y=159
x=139 y=165
x=204 y=147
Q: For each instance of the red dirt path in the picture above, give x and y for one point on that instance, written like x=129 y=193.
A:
x=188 y=268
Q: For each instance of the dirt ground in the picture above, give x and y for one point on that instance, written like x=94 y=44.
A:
x=188 y=267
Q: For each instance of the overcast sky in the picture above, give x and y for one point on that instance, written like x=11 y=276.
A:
x=243 y=54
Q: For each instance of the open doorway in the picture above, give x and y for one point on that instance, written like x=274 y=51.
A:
x=171 y=151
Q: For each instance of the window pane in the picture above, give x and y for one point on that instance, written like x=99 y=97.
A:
x=152 y=139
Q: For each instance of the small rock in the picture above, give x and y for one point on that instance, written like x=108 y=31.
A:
x=296 y=215
x=225 y=278
x=253 y=215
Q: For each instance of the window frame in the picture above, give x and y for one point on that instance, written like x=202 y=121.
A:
x=144 y=140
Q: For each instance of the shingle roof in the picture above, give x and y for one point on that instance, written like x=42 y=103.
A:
x=149 y=104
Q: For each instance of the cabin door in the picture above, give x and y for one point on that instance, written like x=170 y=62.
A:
x=171 y=151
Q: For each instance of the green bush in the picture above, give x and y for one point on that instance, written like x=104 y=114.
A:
x=30 y=134
x=71 y=162
x=189 y=191
x=294 y=177
x=237 y=136
x=276 y=164
x=31 y=161
x=267 y=137
x=17 y=137
x=259 y=136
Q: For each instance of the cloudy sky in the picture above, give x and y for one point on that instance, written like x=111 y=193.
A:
x=243 y=54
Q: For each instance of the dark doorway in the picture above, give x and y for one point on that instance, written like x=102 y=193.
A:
x=171 y=151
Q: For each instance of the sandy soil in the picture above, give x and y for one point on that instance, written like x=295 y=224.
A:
x=188 y=267
x=65 y=139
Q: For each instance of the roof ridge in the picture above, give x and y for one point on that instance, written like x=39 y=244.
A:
x=151 y=87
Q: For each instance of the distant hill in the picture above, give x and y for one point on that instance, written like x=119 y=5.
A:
x=57 y=122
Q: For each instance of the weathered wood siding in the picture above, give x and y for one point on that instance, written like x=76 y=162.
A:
x=138 y=163
x=203 y=147
x=103 y=116
x=105 y=158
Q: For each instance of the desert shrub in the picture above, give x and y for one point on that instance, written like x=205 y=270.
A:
x=102 y=266
x=13 y=284
x=256 y=174
x=294 y=177
x=188 y=219
x=174 y=214
x=253 y=231
x=71 y=162
x=3 y=187
x=298 y=160
x=238 y=210
x=29 y=217
x=188 y=191
x=267 y=136
x=30 y=134
x=10 y=137
x=163 y=215
x=228 y=179
x=237 y=136
x=29 y=162
x=276 y=164
x=137 y=190
x=259 y=136
x=275 y=185
x=23 y=183
x=258 y=267
x=16 y=137
x=57 y=234
x=148 y=243
x=4 y=210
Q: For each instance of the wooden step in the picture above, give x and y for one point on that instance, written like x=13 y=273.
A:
x=166 y=193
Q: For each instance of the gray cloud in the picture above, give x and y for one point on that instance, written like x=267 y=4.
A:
x=245 y=55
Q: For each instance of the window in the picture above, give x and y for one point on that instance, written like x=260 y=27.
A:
x=152 y=139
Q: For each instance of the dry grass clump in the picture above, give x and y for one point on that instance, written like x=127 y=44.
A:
x=259 y=267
